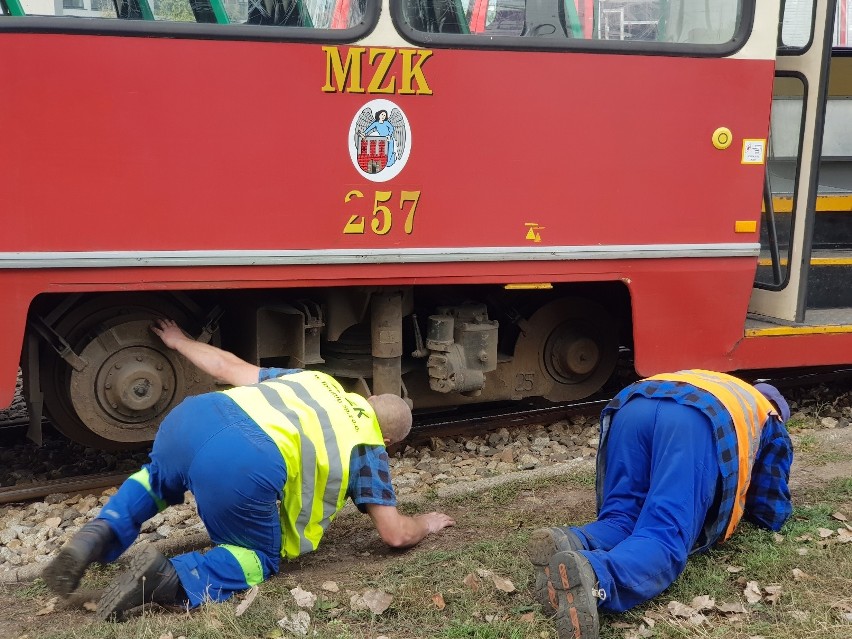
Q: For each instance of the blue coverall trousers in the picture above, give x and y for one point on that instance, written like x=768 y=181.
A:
x=209 y=446
x=661 y=478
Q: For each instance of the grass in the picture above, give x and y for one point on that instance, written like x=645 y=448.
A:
x=484 y=544
x=821 y=596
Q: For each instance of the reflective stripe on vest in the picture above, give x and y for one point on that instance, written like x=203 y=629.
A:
x=315 y=424
x=748 y=409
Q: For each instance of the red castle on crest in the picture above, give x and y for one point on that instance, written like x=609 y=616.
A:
x=372 y=154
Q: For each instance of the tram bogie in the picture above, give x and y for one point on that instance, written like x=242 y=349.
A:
x=107 y=381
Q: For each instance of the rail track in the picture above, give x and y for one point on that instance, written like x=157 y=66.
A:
x=465 y=421
x=460 y=423
x=70 y=485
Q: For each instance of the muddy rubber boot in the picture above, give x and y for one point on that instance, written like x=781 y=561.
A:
x=63 y=574
x=573 y=592
x=150 y=578
x=543 y=544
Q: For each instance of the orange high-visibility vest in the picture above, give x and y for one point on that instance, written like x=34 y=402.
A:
x=749 y=410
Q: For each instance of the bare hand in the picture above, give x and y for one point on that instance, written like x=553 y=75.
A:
x=436 y=521
x=169 y=332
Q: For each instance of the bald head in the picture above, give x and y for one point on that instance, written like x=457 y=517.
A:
x=393 y=415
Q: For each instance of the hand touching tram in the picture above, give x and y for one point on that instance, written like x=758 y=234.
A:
x=214 y=361
x=168 y=331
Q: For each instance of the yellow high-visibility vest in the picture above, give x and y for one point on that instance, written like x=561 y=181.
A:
x=315 y=425
x=749 y=410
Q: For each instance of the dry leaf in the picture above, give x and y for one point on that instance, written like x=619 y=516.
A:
x=839 y=516
x=167 y=635
x=501 y=583
x=623 y=625
x=844 y=536
x=734 y=569
x=472 y=582
x=304 y=598
x=376 y=601
x=802 y=551
x=528 y=617
x=677 y=609
x=801 y=538
x=697 y=619
x=645 y=631
x=650 y=622
x=91 y=606
x=846 y=616
x=49 y=607
x=330 y=586
x=438 y=600
x=825 y=533
x=703 y=602
x=485 y=574
x=246 y=602
x=732 y=608
x=778 y=538
x=773 y=593
x=356 y=602
x=752 y=592
x=298 y=625
x=799 y=575
x=800 y=615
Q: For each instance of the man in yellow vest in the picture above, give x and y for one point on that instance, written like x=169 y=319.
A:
x=283 y=436
x=682 y=458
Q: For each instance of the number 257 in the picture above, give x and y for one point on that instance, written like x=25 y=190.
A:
x=382 y=216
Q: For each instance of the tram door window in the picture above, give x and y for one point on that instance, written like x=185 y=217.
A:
x=796 y=24
x=669 y=21
x=785 y=144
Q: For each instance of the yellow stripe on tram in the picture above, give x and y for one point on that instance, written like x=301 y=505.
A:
x=824 y=203
x=815 y=261
x=798 y=330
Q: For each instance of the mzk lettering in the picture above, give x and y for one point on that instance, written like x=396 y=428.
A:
x=372 y=71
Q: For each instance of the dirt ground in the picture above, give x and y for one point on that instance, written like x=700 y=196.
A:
x=352 y=547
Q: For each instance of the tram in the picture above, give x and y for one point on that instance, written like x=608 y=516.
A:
x=456 y=201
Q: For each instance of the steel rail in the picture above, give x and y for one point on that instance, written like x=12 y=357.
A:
x=71 y=485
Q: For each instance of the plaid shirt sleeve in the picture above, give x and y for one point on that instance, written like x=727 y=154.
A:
x=370 y=478
x=768 y=499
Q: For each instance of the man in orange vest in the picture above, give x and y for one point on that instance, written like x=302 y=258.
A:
x=682 y=458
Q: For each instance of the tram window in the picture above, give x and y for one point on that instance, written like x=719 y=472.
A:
x=313 y=14
x=796 y=23
x=843 y=26
x=616 y=21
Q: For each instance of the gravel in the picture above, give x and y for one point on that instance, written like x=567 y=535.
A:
x=30 y=533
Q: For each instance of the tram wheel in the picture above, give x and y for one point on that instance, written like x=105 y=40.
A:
x=567 y=350
x=131 y=379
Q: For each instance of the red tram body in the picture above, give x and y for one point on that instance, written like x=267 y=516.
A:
x=524 y=207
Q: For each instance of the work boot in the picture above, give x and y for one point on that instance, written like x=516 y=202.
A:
x=63 y=574
x=543 y=544
x=573 y=594
x=150 y=578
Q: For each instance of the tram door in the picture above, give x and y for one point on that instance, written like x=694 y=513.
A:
x=805 y=37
